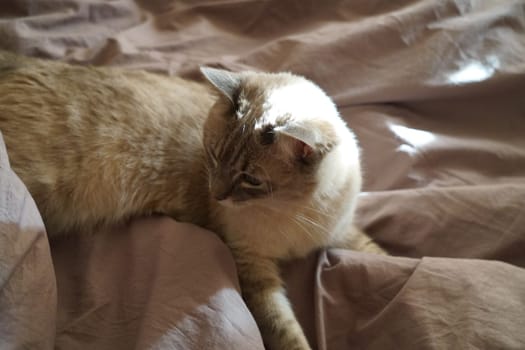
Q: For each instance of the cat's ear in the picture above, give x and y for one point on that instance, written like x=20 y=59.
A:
x=308 y=140
x=228 y=83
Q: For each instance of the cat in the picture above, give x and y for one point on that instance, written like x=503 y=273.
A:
x=263 y=159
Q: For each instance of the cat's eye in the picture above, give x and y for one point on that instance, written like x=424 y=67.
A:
x=250 y=180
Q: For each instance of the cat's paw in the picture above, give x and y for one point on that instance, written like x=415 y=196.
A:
x=298 y=345
x=372 y=247
x=359 y=241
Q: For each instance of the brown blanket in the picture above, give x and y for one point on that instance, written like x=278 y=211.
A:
x=435 y=91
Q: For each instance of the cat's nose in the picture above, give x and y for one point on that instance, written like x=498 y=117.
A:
x=221 y=196
x=220 y=191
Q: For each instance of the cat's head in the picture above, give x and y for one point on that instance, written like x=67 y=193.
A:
x=266 y=136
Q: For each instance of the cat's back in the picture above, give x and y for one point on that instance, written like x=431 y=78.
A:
x=91 y=137
x=60 y=91
x=50 y=109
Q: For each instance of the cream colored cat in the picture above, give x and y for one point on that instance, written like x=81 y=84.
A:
x=262 y=159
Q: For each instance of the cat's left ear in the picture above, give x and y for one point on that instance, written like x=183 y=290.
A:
x=228 y=83
x=307 y=140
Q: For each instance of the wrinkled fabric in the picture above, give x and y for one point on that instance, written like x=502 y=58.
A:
x=153 y=284
x=434 y=92
x=28 y=292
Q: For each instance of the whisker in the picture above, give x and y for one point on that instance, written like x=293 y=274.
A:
x=317 y=211
x=285 y=237
x=313 y=223
x=279 y=230
x=308 y=232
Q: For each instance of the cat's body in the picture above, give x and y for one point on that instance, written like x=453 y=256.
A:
x=266 y=162
x=91 y=144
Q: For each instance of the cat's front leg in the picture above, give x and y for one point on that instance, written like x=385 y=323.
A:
x=356 y=239
x=263 y=291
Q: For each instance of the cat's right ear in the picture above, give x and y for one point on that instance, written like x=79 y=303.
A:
x=228 y=83
x=307 y=140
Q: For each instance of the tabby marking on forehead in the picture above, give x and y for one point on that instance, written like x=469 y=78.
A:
x=243 y=106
